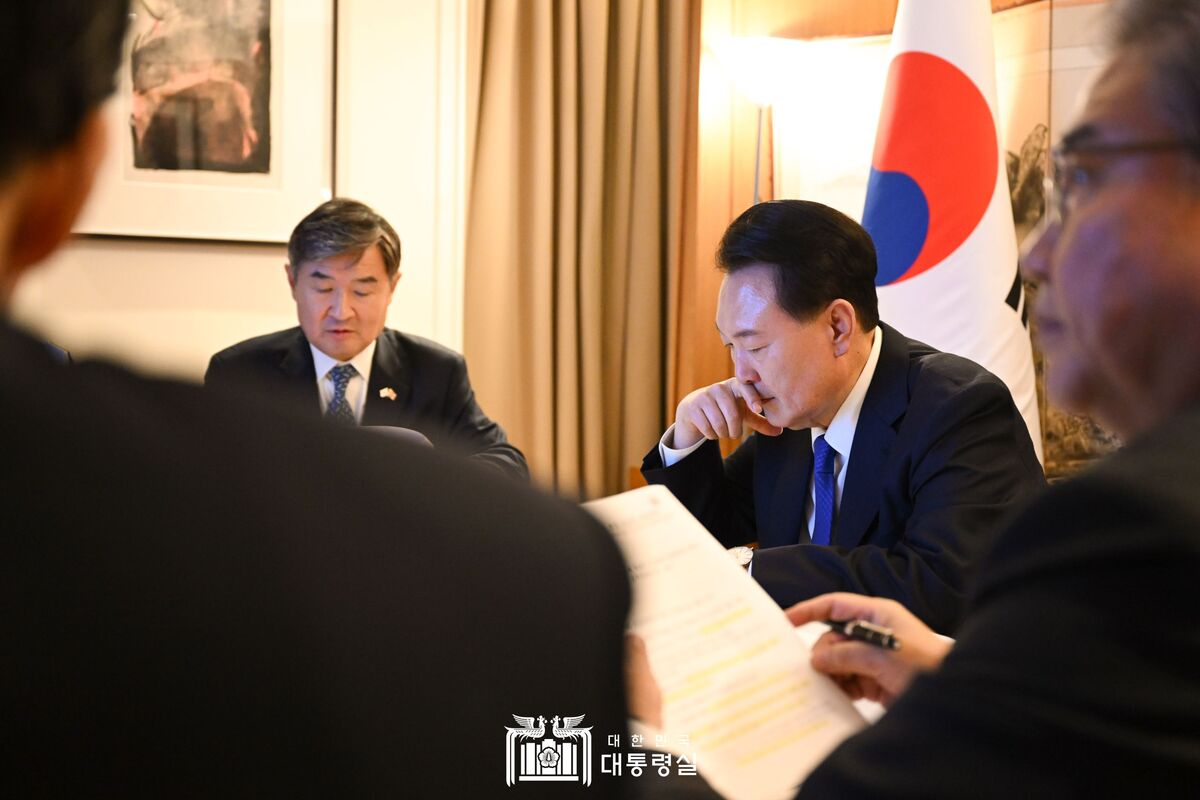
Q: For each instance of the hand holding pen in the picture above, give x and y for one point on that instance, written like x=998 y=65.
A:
x=862 y=631
x=875 y=650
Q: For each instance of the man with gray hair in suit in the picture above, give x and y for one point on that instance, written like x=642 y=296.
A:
x=1075 y=672
x=343 y=268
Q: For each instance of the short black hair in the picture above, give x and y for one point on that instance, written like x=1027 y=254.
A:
x=58 y=59
x=818 y=255
x=339 y=226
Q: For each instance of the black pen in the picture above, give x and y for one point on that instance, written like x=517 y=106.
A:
x=862 y=631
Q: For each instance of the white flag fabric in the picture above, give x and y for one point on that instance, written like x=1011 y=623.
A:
x=938 y=202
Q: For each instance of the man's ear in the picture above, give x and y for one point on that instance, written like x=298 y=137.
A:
x=291 y=277
x=392 y=283
x=52 y=190
x=842 y=321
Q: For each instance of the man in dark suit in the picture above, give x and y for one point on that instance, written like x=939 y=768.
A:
x=917 y=453
x=210 y=598
x=343 y=267
x=1075 y=673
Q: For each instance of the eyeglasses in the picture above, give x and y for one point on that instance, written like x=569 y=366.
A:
x=1069 y=176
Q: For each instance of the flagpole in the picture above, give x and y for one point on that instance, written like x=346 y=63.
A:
x=758 y=155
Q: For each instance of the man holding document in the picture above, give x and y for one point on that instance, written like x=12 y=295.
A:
x=877 y=464
x=1076 y=671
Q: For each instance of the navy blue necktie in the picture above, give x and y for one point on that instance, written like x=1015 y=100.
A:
x=823 y=491
x=339 y=410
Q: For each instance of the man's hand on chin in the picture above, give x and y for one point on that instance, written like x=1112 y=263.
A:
x=720 y=411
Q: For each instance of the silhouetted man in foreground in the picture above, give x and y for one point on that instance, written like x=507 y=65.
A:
x=204 y=599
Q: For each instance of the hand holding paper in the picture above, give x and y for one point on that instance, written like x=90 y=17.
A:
x=731 y=673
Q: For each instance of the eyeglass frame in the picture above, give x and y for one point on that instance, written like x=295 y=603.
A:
x=1059 y=190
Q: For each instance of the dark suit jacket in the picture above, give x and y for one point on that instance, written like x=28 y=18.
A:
x=939 y=455
x=1076 y=672
x=207 y=598
x=433 y=392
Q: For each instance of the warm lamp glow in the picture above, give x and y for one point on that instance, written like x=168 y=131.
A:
x=759 y=67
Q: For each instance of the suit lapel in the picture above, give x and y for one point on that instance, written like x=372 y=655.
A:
x=296 y=365
x=886 y=400
x=788 y=489
x=390 y=386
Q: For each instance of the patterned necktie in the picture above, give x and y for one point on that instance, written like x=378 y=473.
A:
x=339 y=409
x=823 y=490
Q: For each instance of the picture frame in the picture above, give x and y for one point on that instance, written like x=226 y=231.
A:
x=186 y=194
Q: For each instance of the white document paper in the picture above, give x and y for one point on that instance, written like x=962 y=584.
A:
x=735 y=679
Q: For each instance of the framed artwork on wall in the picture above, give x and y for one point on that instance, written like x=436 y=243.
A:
x=222 y=123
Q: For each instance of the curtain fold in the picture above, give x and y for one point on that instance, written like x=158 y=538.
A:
x=580 y=211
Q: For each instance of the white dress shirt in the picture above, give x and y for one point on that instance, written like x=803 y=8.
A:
x=356 y=389
x=839 y=435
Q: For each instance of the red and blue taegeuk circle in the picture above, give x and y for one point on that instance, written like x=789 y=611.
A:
x=934 y=169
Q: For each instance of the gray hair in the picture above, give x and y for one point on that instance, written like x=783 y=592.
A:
x=341 y=226
x=1167 y=34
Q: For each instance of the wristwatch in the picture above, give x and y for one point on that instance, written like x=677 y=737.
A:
x=742 y=555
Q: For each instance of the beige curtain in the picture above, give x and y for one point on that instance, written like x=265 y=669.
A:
x=578 y=217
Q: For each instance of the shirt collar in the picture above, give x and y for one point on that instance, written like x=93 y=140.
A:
x=840 y=433
x=362 y=362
